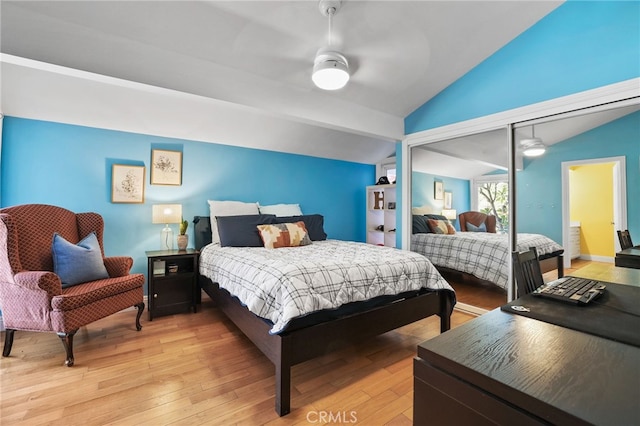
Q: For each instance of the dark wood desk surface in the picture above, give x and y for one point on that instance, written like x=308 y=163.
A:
x=550 y=373
x=560 y=375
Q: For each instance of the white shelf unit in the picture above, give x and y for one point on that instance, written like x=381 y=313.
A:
x=379 y=214
x=574 y=240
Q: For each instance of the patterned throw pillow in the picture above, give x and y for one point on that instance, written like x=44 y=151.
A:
x=314 y=223
x=441 y=226
x=284 y=235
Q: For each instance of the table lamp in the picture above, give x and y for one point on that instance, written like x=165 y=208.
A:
x=449 y=214
x=166 y=213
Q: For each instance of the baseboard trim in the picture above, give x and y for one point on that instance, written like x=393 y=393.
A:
x=604 y=259
x=469 y=309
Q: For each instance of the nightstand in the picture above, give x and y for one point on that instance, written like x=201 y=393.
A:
x=172 y=276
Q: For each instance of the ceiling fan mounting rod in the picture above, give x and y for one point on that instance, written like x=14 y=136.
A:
x=329 y=8
x=331 y=12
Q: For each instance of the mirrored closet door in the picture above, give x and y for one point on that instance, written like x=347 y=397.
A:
x=540 y=203
x=464 y=180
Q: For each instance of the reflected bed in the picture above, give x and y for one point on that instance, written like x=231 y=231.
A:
x=483 y=255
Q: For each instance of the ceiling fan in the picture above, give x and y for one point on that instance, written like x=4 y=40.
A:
x=330 y=67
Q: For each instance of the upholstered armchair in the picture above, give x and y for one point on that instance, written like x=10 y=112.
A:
x=34 y=297
x=477 y=219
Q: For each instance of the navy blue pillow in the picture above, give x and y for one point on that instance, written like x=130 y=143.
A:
x=313 y=222
x=242 y=231
x=420 y=225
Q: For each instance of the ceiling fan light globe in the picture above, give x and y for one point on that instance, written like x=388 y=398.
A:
x=330 y=75
x=534 y=152
x=330 y=70
x=533 y=147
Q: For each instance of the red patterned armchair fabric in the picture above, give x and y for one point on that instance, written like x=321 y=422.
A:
x=31 y=294
x=477 y=219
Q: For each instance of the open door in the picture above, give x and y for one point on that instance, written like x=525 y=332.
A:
x=602 y=213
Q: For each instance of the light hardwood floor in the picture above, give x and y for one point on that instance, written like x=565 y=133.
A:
x=193 y=369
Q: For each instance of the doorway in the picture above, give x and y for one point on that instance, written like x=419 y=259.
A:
x=599 y=231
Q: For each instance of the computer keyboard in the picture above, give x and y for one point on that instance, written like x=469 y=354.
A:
x=571 y=290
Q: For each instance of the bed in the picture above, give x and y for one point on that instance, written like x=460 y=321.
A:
x=484 y=255
x=312 y=326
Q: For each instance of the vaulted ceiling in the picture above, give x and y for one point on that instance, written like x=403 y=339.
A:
x=239 y=72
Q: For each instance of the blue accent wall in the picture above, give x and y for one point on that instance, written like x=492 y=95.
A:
x=422 y=193
x=581 y=45
x=70 y=166
x=539 y=204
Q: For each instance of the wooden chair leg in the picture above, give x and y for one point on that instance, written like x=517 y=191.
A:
x=140 y=307
x=8 y=342
x=67 y=341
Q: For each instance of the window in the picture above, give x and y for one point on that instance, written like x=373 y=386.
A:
x=391 y=174
x=388 y=170
x=490 y=195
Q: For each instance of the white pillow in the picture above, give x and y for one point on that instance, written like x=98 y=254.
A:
x=282 y=209
x=228 y=208
x=422 y=210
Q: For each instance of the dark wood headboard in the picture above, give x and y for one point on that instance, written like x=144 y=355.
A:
x=202 y=231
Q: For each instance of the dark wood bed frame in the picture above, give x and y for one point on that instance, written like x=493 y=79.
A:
x=290 y=348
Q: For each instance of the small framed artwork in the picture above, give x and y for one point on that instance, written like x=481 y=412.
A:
x=127 y=184
x=448 y=199
x=166 y=167
x=438 y=190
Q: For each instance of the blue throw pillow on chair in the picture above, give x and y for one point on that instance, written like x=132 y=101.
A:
x=472 y=228
x=78 y=263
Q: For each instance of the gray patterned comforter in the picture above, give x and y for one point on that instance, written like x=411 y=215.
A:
x=284 y=283
x=481 y=254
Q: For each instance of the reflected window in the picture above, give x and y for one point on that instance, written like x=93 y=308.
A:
x=390 y=172
x=491 y=196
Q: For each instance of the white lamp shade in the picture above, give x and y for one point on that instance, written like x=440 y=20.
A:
x=450 y=214
x=166 y=213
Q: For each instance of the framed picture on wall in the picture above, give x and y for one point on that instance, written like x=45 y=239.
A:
x=448 y=199
x=127 y=184
x=438 y=190
x=166 y=167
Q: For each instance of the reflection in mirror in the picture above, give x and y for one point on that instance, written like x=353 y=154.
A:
x=473 y=170
x=557 y=208
x=585 y=186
